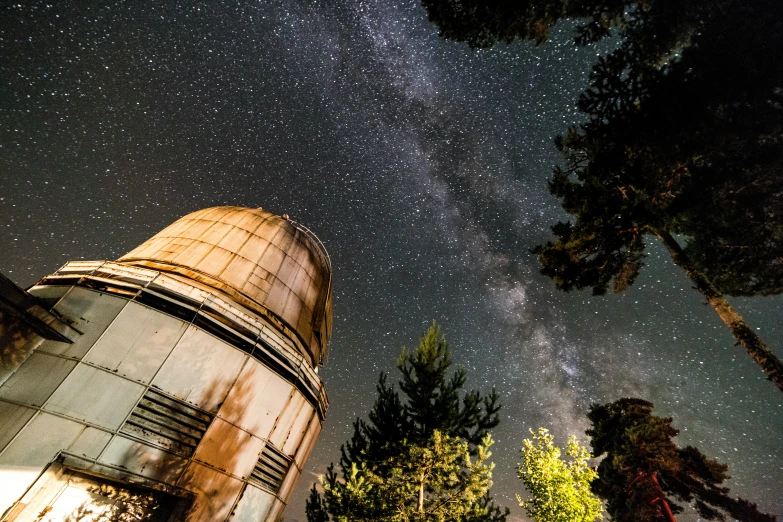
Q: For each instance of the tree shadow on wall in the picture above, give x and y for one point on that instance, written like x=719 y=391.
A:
x=222 y=450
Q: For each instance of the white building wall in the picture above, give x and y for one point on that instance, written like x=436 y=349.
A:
x=86 y=401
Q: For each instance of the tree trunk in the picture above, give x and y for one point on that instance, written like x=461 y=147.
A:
x=420 y=504
x=759 y=351
x=663 y=500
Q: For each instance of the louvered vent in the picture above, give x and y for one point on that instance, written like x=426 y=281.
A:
x=168 y=423
x=270 y=469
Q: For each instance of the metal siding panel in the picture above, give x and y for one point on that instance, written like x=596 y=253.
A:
x=216 y=261
x=50 y=433
x=36 y=379
x=278 y=296
x=200 y=370
x=286 y=419
x=95 y=396
x=216 y=233
x=223 y=491
x=234 y=238
x=49 y=294
x=288 y=483
x=248 y=404
x=90 y=312
x=287 y=272
x=254 y=248
x=298 y=430
x=90 y=443
x=228 y=448
x=308 y=442
x=22 y=462
x=237 y=272
x=145 y=460
x=301 y=283
x=193 y=255
x=138 y=342
x=253 y=505
x=14 y=418
x=293 y=308
x=272 y=259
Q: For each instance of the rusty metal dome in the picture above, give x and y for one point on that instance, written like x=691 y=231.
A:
x=264 y=262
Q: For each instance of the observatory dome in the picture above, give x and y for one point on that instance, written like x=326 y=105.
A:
x=264 y=262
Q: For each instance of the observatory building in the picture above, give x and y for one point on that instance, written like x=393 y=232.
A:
x=178 y=383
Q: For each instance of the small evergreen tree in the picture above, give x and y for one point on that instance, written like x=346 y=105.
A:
x=418 y=458
x=560 y=489
x=644 y=473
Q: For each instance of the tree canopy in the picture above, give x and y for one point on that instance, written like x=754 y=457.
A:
x=560 y=489
x=684 y=135
x=644 y=474
x=419 y=456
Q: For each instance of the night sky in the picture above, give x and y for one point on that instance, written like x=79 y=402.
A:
x=420 y=163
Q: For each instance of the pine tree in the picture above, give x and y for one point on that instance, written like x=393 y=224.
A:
x=684 y=136
x=437 y=430
x=644 y=473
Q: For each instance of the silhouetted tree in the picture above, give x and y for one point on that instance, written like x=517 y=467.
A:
x=644 y=473
x=684 y=136
x=433 y=417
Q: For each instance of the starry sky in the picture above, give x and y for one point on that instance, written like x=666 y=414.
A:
x=420 y=163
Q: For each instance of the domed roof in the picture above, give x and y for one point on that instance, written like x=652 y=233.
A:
x=263 y=261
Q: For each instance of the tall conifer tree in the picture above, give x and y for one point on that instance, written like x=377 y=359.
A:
x=434 y=419
x=644 y=474
x=684 y=135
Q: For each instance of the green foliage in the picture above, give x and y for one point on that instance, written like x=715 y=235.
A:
x=643 y=469
x=436 y=482
x=423 y=457
x=684 y=135
x=560 y=489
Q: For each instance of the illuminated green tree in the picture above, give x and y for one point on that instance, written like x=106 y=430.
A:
x=436 y=482
x=560 y=489
x=421 y=455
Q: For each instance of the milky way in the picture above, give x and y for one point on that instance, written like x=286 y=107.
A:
x=420 y=163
